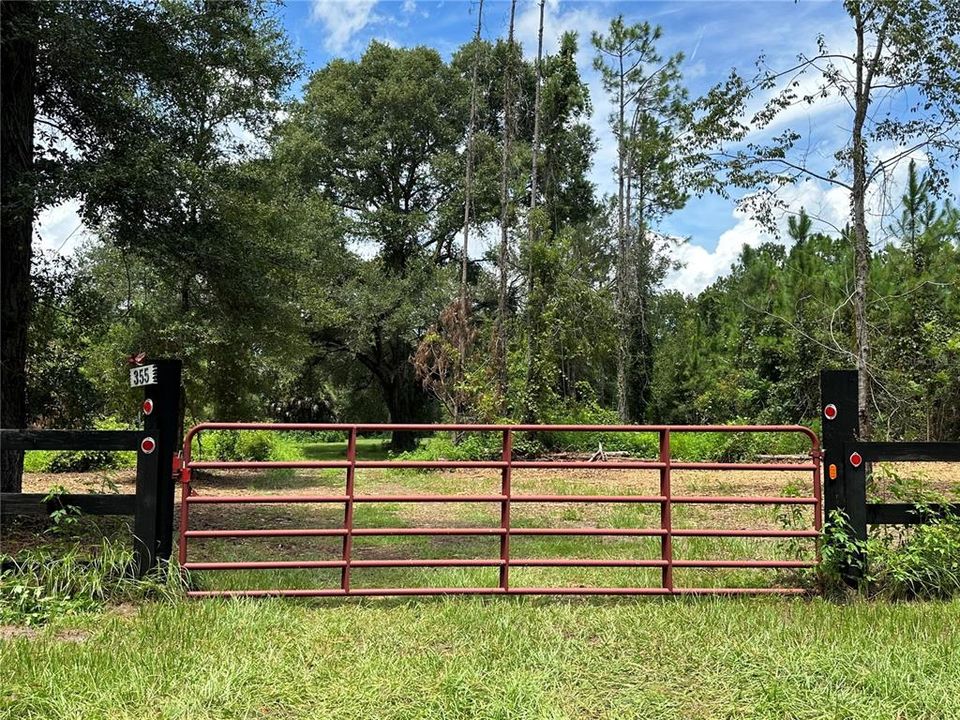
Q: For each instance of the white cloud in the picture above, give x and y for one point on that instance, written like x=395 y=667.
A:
x=60 y=229
x=343 y=19
x=827 y=205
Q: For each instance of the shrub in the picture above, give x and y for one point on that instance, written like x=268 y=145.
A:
x=83 y=461
x=245 y=445
x=915 y=562
x=923 y=564
x=63 y=461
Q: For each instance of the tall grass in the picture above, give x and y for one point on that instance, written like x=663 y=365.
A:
x=47 y=582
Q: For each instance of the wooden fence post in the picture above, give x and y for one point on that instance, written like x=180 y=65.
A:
x=153 y=523
x=844 y=485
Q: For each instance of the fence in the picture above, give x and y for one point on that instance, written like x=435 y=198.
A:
x=848 y=461
x=152 y=505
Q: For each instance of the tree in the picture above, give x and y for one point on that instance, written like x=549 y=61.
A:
x=378 y=139
x=463 y=332
x=901 y=51
x=18 y=48
x=649 y=106
x=564 y=247
x=139 y=107
x=500 y=334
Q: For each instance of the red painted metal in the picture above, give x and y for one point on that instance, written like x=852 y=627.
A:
x=665 y=500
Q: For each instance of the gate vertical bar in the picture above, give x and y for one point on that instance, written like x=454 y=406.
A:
x=666 y=514
x=348 y=509
x=184 y=507
x=505 y=490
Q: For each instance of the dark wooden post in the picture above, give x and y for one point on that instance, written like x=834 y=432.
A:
x=844 y=485
x=145 y=526
x=153 y=524
x=839 y=389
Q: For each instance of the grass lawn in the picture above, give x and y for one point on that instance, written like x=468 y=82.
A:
x=494 y=658
x=469 y=657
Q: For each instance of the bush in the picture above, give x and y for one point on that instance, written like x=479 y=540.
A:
x=685 y=446
x=245 y=445
x=914 y=562
x=924 y=564
x=53 y=461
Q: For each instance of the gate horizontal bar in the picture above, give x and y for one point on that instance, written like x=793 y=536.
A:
x=376 y=592
x=589 y=498
x=239 y=499
x=490 y=464
x=743 y=500
x=771 y=467
x=723 y=532
x=589 y=531
x=587 y=465
x=278 y=532
x=494 y=562
x=466 y=427
x=744 y=563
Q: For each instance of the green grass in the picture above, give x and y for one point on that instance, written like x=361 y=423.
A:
x=454 y=658
x=472 y=658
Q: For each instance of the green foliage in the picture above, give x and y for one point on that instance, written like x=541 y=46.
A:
x=922 y=563
x=49 y=583
x=248 y=445
x=919 y=561
x=67 y=461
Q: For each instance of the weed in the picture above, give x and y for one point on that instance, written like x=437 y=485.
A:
x=46 y=583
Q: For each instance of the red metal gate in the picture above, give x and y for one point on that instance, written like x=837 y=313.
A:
x=665 y=499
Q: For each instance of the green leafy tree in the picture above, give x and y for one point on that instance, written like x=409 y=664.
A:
x=650 y=109
x=895 y=71
x=140 y=108
x=379 y=139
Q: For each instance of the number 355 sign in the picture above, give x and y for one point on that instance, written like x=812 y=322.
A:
x=143 y=375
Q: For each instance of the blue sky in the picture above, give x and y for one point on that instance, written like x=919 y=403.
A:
x=714 y=36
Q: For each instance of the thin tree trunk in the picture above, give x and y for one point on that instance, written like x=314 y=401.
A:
x=467 y=192
x=861 y=241
x=533 y=232
x=500 y=327
x=621 y=294
x=17 y=71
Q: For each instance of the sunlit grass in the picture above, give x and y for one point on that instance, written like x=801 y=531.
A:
x=504 y=658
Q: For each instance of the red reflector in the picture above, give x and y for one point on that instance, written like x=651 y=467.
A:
x=148 y=445
x=856 y=460
x=832 y=471
x=830 y=412
x=147 y=406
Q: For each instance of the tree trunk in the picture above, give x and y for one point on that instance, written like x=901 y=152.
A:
x=533 y=234
x=467 y=196
x=500 y=327
x=622 y=299
x=17 y=70
x=407 y=403
x=861 y=242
